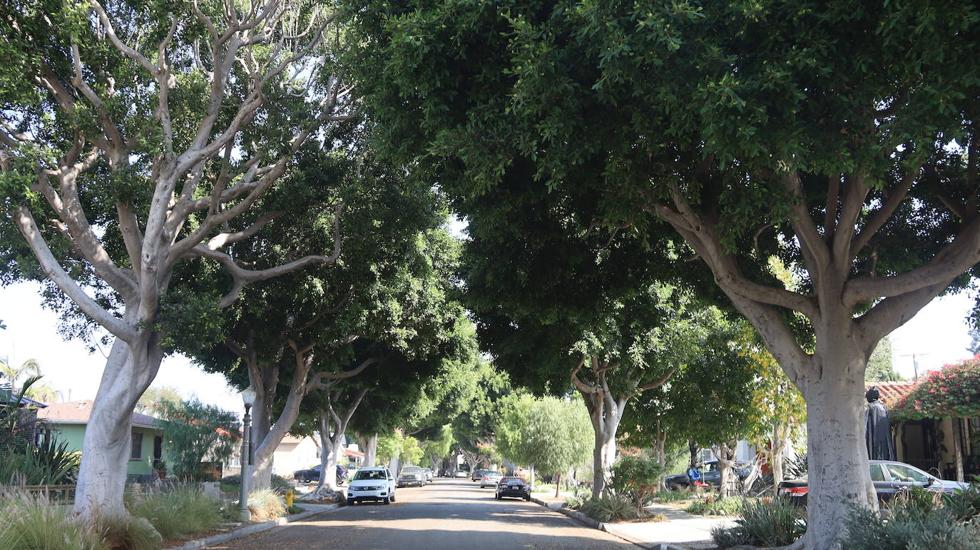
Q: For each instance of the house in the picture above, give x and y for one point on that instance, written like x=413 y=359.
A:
x=26 y=412
x=295 y=453
x=299 y=453
x=67 y=421
x=939 y=444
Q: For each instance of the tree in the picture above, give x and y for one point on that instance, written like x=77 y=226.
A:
x=512 y=428
x=399 y=448
x=555 y=437
x=145 y=135
x=777 y=406
x=437 y=449
x=294 y=335
x=475 y=428
x=29 y=369
x=708 y=402
x=880 y=367
x=824 y=143
x=156 y=398
x=195 y=432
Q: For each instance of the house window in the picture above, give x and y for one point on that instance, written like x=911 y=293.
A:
x=136 y=452
x=158 y=447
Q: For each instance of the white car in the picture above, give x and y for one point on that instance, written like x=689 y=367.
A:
x=371 y=484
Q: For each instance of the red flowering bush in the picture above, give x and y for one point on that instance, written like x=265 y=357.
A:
x=953 y=390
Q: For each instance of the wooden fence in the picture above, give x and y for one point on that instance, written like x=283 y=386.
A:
x=61 y=494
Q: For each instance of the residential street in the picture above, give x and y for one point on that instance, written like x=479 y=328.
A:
x=446 y=514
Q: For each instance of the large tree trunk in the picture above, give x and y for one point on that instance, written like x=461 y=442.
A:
x=264 y=380
x=331 y=446
x=958 y=448
x=725 y=453
x=777 y=454
x=605 y=416
x=660 y=446
x=107 y=445
x=371 y=450
x=838 y=472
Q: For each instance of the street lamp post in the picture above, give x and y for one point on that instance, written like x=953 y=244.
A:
x=248 y=397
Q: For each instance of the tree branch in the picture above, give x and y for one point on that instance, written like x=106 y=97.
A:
x=28 y=228
x=854 y=196
x=882 y=215
x=954 y=259
x=656 y=383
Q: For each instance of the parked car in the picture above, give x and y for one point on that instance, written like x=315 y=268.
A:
x=462 y=473
x=429 y=476
x=411 y=475
x=313 y=474
x=890 y=478
x=374 y=484
x=477 y=474
x=513 y=487
x=490 y=479
x=710 y=474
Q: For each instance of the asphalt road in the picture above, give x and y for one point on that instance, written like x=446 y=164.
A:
x=445 y=515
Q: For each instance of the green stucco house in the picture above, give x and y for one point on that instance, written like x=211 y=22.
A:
x=67 y=422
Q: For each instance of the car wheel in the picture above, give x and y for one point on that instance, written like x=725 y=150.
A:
x=496 y=497
x=351 y=502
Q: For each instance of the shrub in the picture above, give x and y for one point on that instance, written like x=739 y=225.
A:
x=964 y=505
x=34 y=523
x=774 y=522
x=673 y=496
x=179 y=512
x=909 y=523
x=713 y=506
x=606 y=508
x=266 y=504
x=637 y=479
x=279 y=483
x=128 y=533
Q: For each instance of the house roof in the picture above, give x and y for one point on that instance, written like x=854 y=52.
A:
x=78 y=412
x=353 y=454
x=7 y=396
x=893 y=392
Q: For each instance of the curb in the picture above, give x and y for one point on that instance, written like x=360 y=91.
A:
x=595 y=524
x=252 y=529
x=585 y=520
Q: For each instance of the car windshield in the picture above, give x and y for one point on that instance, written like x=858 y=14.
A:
x=906 y=474
x=512 y=481
x=411 y=469
x=369 y=474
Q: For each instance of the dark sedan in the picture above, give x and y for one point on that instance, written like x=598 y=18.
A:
x=513 y=487
x=890 y=478
x=313 y=474
x=710 y=474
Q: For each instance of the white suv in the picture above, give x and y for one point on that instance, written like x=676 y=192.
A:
x=371 y=484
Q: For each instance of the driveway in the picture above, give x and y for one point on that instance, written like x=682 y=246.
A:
x=446 y=515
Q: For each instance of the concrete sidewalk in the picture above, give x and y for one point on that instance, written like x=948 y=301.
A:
x=681 y=530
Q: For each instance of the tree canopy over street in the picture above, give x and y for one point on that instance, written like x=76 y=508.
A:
x=841 y=140
x=686 y=223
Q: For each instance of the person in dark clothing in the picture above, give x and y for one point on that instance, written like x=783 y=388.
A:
x=878 y=427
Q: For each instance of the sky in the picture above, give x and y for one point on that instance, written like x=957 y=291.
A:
x=938 y=335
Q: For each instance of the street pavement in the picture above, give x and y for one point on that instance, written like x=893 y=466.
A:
x=446 y=515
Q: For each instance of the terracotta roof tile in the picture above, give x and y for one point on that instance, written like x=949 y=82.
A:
x=79 y=412
x=892 y=392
